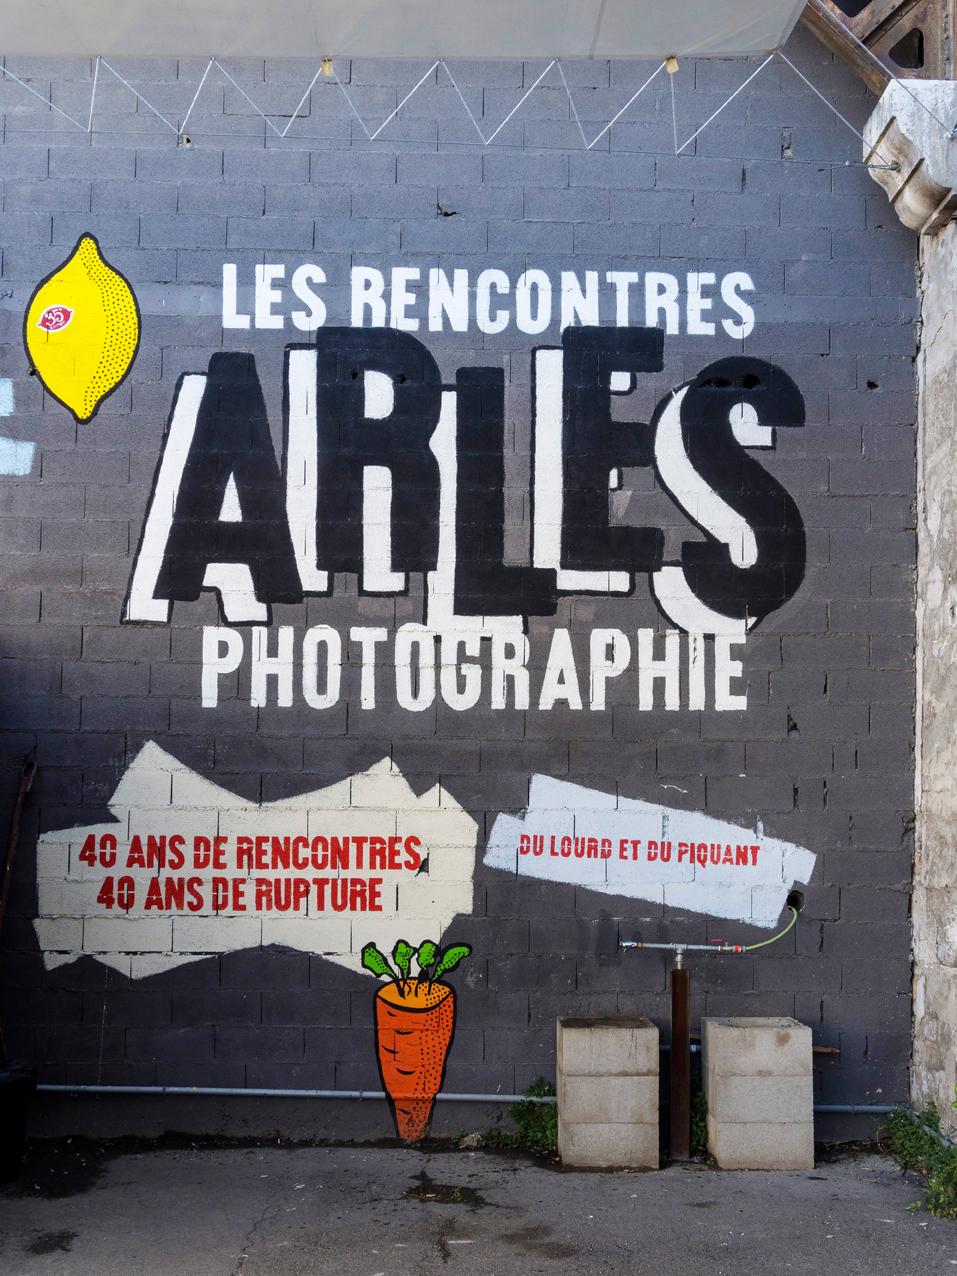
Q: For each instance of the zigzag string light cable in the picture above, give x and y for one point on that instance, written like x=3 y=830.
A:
x=674 y=104
x=389 y=118
x=830 y=105
x=139 y=96
x=727 y=102
x=48 y=101
x=634 y=97
x=239 y=88
x=302 y=102
x=528 y=92
x=571 y=102
x=468 y=109
x=96 y=76
x=199 y=89
x=485 y=140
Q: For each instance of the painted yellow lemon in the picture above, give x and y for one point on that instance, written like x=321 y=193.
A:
x=82 y=329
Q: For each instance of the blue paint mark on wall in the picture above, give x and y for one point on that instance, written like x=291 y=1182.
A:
x=16 y=455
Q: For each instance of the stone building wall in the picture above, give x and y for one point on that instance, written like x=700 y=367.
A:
x=935 y=915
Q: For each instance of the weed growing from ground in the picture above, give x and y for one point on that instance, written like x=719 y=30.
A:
x=537 y=1122
x=699 y=1122
x=909 y=1140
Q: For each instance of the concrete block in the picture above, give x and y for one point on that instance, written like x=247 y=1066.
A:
x=759 y=1090
x=134 y=196
x=521 y=170
x=609 y=1101
x=746 y=1099
x=52 y=195
x=607 y=1047
x=608 y=1092
x=272 y=234
x=25 y=228
x=761 y=1145
x=532 y=237
x=172 y=231
x=757 y=1047
x=359 y=168
x=613 y=1146
x=609 y=237
x=683 y=173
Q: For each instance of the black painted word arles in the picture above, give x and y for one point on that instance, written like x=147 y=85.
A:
x=386 y=471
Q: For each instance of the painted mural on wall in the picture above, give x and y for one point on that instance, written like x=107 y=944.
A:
x=16 y=455
x=414 y=1026
x=211 y=872
x=386 y=471
x=682 y=859
x=548 y=504
x=82 y=330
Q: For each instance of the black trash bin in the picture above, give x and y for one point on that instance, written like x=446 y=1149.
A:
x=16 y=1087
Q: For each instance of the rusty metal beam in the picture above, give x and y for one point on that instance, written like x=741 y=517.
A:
x=881 y=25
x=836 y=36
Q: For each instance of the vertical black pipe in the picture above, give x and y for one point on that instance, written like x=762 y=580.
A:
x=23 y=788
x=680 y=1063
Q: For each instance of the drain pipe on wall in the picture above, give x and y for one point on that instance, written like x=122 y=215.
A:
x=238 y=1092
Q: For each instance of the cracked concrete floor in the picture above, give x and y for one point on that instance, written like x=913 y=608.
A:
x=89 y=1209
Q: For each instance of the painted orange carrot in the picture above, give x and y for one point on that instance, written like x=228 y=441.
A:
x=415 y=1022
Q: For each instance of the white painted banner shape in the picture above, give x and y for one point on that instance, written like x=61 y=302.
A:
x=161 y=796
x=642 y=850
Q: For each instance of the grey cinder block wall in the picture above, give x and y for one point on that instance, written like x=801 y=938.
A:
x=278 y=472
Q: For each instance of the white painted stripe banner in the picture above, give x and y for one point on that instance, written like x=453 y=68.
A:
x=186 y=869
x=641 y=850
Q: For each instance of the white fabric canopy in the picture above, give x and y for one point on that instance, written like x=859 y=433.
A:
x=396 y=28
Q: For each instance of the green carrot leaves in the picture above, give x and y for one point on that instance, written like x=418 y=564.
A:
x=402 y=956
x=373 y=961
x=450 y=959
x=432 y=965
x=426 y=956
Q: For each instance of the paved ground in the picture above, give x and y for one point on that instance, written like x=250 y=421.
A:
x=84 y=1209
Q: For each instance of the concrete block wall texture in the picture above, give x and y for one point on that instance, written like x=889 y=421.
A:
x=821 y=757
x=607 y=1091
x=758 y=1085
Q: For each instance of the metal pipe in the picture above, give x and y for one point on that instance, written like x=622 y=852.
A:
x=876 y=1109
x=678 y=949
x=795 y=902
x=934 y=1134
x=679 y=1062
x=885 y=1109
x=237 y=1092
x=258 y=1093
